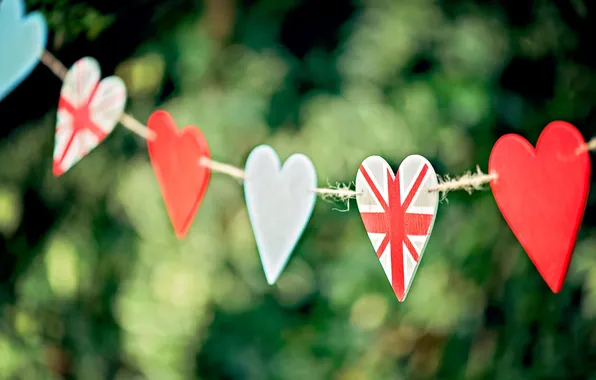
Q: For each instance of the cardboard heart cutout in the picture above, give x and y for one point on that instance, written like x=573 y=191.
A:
x=175 y=157
x=542 y=194
x=398 y=213
x=88 y=111
x=22 y=43
x=279 y=202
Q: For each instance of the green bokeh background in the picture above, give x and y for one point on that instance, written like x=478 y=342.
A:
x=95 y=285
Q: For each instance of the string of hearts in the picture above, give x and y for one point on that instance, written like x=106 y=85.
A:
x=398 y=210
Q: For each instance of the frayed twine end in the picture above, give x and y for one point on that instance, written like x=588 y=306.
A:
x=340 y=192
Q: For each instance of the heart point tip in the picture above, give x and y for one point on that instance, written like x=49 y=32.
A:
x=555 y=289
x=180 y=234
x=271 y=280
x=400 y=297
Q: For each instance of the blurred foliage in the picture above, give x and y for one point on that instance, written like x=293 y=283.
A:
x=94 y=284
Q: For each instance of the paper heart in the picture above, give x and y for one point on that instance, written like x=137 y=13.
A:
x=22 y=42
x=542 y=194
x=175 y=156
x=398 y=213
x=87 y=112
x=279 y=202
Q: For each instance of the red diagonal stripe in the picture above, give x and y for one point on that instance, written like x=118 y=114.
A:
x=374 y=189
x=383 y=246
x=411 y=248
x=415 y=187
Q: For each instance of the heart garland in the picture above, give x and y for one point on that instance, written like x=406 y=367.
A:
x=398 y=211
x=88 y=111
x=542 y=193
x=522 y=179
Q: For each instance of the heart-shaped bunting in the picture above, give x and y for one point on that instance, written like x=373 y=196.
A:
x=175 y=156
x=542 y=194
x=87 y=112
x=280 y=202
x=398 y=213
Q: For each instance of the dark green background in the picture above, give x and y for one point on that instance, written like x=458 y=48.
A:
x=94 y=284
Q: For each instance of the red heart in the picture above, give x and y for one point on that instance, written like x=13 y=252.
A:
x=175 y=158
x=542 y=194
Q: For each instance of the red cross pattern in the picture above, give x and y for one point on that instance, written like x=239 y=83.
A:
x=88 y=111
x=397 y=221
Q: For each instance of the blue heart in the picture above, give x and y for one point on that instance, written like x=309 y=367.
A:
x=22 y=42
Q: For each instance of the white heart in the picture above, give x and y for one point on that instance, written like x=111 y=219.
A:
x=280 y=201
x=103 y=102
x=398 y=231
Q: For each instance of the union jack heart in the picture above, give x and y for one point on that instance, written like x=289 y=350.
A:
x=88 y=111
x=398 y=213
